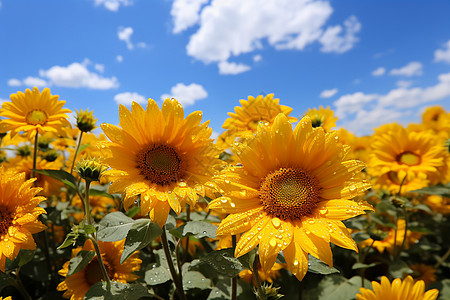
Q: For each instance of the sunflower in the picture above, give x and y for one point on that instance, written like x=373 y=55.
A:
x=34 y=111
x=291 y=194
x=322 y=117
x=160 y=155
x=436 y=118
x=439 y=204
x=77 y=285
x=399 y=289
x=245 y=119
x=409 y=154
x=360 y=146
x=18 y=214
x=391 y=181
x=424 y=272
x=7 y=298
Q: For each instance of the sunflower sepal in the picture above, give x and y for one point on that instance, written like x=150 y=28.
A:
x=78 y=235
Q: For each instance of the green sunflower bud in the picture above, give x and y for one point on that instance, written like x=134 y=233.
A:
x=24 y=151
x=91 y=169
x=50 y=155
x=85 y=120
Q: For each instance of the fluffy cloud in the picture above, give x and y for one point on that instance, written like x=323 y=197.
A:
x=334 y=40
x=328 y=93
x=228 y=28
x=127 y=98
x=77 y=75
x=443 y=54
x=227 y=68
x=113 y=5
x=414 y=68
x=119 y=58
x=185 y=13
x=14 y=82
x=99 y=67
x=257 y=58
x=28 y=82
x=124 y=34
x=404 y=83
x=378 y=72
x=186 y=94
x=371 y=110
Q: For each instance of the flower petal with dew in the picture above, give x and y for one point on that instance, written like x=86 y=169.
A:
x=290 y=194
x=160 y=156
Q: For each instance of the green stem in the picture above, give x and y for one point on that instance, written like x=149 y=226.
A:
x=405 y=211
x=188 y=218
x=443 y=258
x=176 y=279
x=363 y=256
x=76 y=151
x=234 y=279
x=87 y=204
x=35 y=150
x=100 y=260
x=395 y=234
x=260 y=292
x=17 y=283
x=177 y=252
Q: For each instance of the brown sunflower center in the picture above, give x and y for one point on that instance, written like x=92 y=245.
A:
x=36 y=117
x=289 y=193
x=93 y=273
x=6 y=219
x=160 y=164
x=408 y=158
x=253 y=124
x=317 y=121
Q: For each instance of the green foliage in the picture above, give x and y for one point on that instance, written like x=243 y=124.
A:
x=318 y=267
x=66 y=178
x=197 y=229
x=114 y=227
x=224 y=262
x=141 y=234
x=117 y=291
x=80 y=261
x=78 y=235
x=439 y=189
x=24 y=257
x=336 y=287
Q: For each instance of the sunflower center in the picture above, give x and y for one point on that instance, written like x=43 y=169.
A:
x=6 y=219
x=160 y=164
x=253 y=124
x=408 y=158
x=93 y=273
x=289 y=193
x=36 y=117
x=317 y=121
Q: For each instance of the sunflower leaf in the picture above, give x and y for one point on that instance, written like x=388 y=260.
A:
x=141 y=233
x=80 y=261
x=24 y=257
x=336 y=287
x=199 y=229
x=114 y=227
x=195 y=280
x=315 y=265
x=116 y=291
x=439 y=189
x=61 y=175
x=94 y=192
x=223 y=262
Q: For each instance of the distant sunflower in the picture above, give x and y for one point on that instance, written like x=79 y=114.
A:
x=160 y=155
x=18 y=214
x=245 y=119
x=274 y=273
x=409 y=154
x=399 y=289
x=359 y=146
x=77 y=285
x=424 y=272
x=436 y=118
x=439 y=204
x=100 y=206
x=291 y=194
x=31 y=111
x=322 y=117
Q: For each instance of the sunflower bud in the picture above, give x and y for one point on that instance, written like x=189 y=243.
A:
x=50 y=155
x=91 y=169
x=24 y=151
x=272 y=292
x=378 y=235
x=85 y=120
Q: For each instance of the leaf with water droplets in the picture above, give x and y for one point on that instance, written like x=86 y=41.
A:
x=116 y=291
x=114 y=227
x=224 y=262
x=80 y=261
x=199 y=229
x=315 y=265
x=195 y=280
x=141 y=233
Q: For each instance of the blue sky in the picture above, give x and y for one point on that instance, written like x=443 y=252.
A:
x=371 y=61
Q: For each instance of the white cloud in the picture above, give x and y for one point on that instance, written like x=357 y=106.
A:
x=443 y=54
x=0 y=4
x=378 y=72
x=119 y=58
x=371 y=110
x=77 y=75
x=14 y=82
x=186 y=94
x=229 y=28
x=185 y=13
x=99 y=67
x=333 y=39
x=141 y=45
x=127 y=98
x=124 y=34
x=257 y=58
x=328 y=93
x=113 y=5
x=404 y=83
x=34 y=81
x=414 y=68
x=3 y=100
x=227 y=68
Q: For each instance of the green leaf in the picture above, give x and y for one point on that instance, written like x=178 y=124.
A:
x=363 y=266
x=195 y=280
x=133 y=211
x=157 y=275
x=382 y=222
x=223 y=262
x=24 y=257
x=360 y=236
x=422 y=207
x=222 y=290
x=80 y=261
x=141 y=233
x=315 y=265
x=399 y=268
x=88 y=229
x=199 y=229
x=114 y=227
x=439 y=189
x=94 y=192
x=336 y=287
x=71 y=239
x=62 y=176
x=117 y=291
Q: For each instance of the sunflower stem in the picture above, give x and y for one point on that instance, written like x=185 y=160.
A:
x=87 y=204
x=234 y=279
x=188 y=218
x=442 y=259
x=175 y=277
x=363 y=256
x=260 y=292
x=100 y=260
x=405 y=211
x=80 y=136
x=17 y=283
x=177 y=252
x=395 y=234
x=33 y=172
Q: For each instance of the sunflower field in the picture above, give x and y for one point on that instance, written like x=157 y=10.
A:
x=277 y=207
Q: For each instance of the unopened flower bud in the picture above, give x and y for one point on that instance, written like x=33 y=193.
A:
x=86 y=121
x=50 y=155
x=91 y=169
